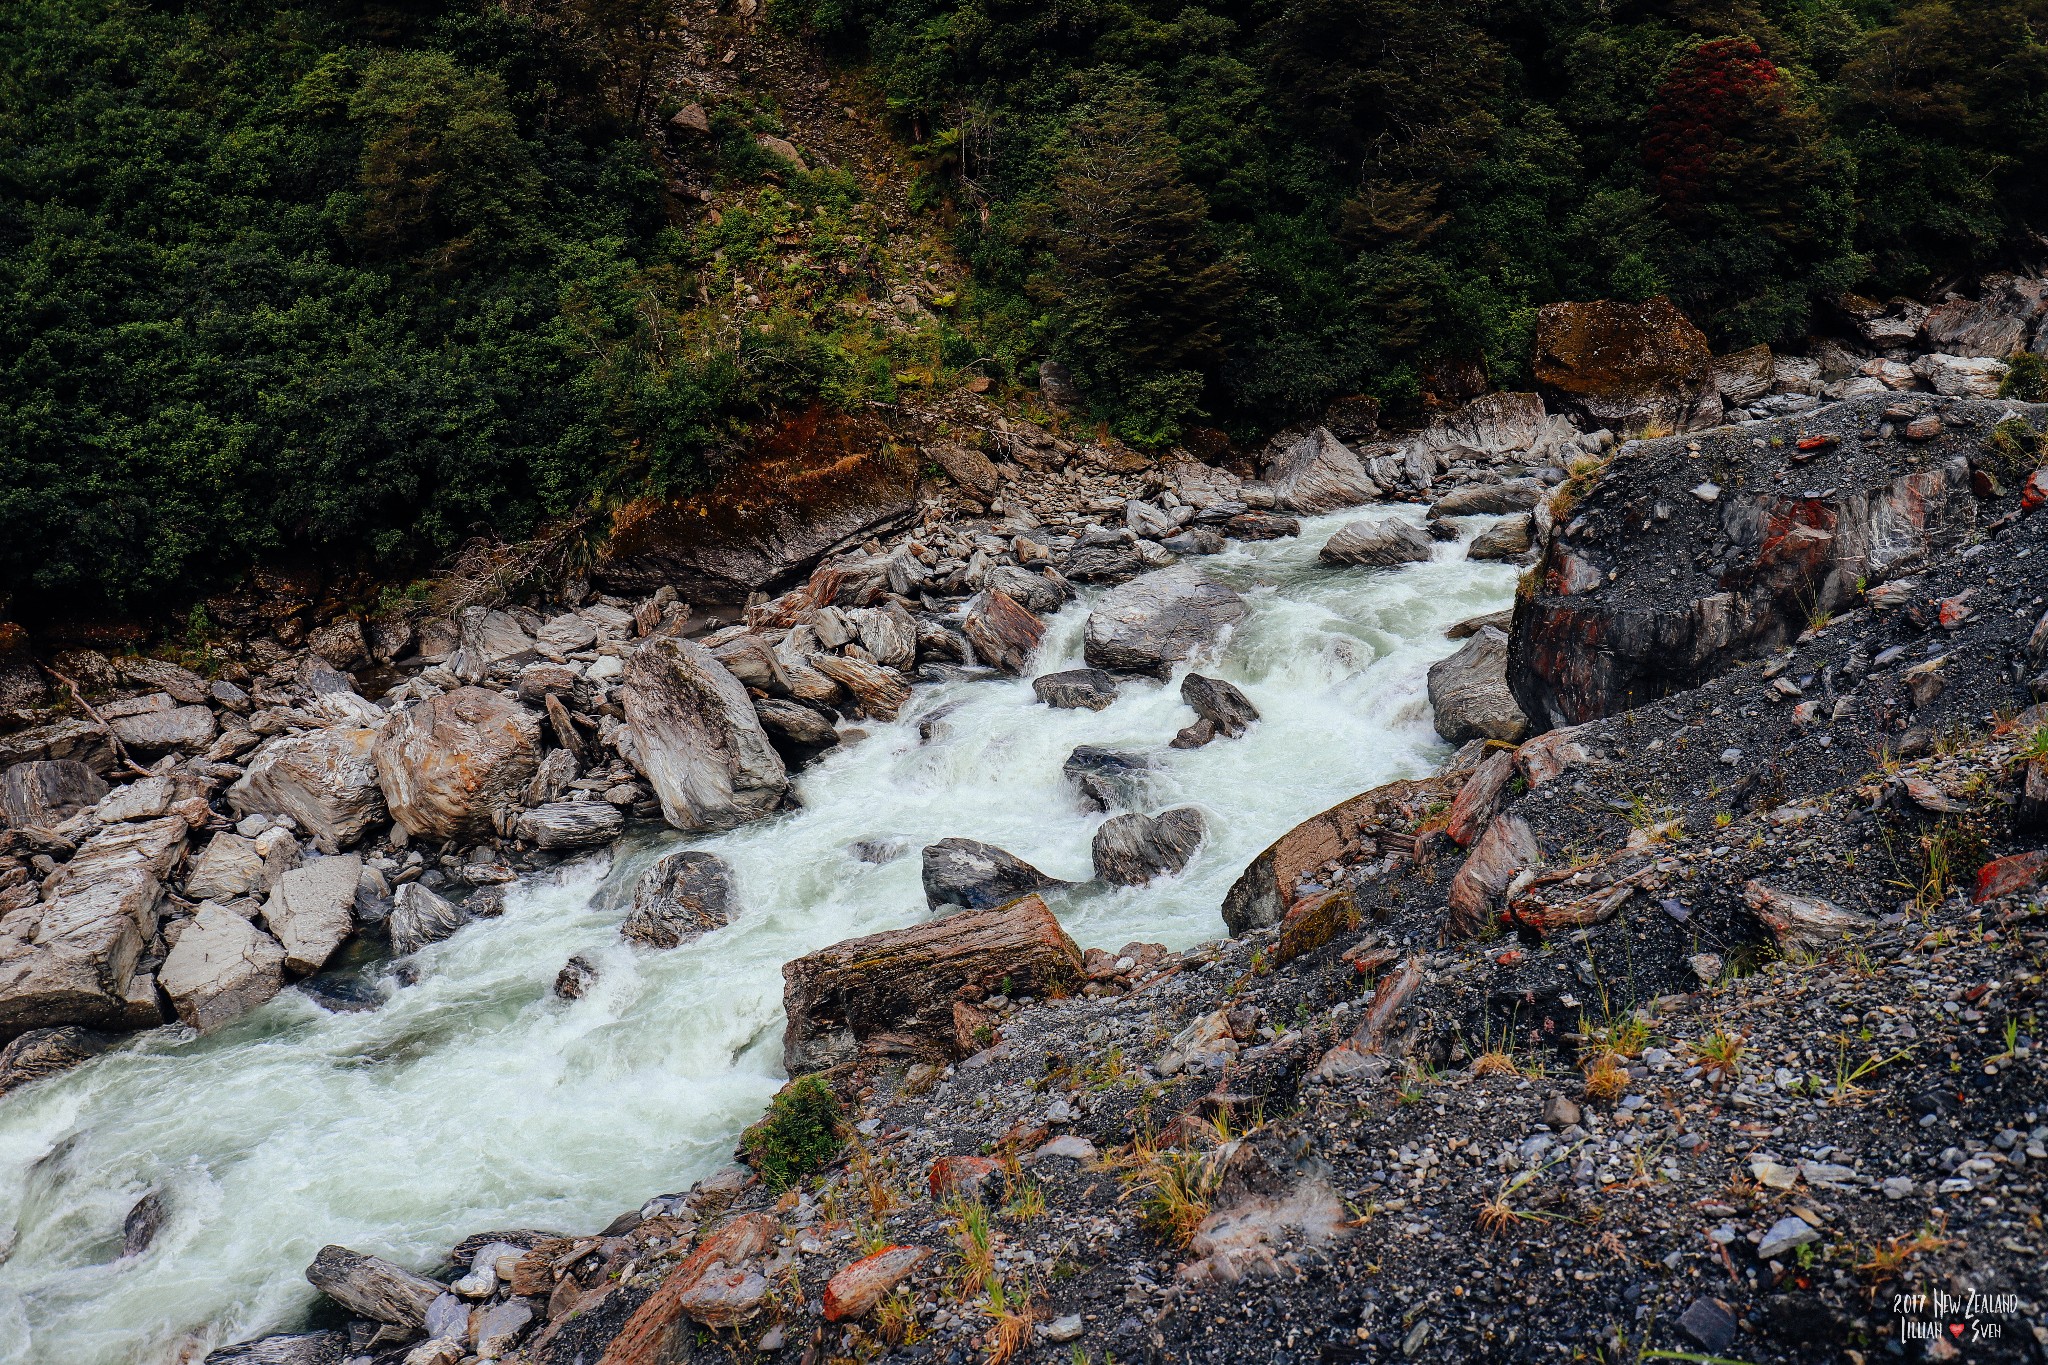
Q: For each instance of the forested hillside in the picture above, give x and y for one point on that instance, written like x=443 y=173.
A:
x=360 y=280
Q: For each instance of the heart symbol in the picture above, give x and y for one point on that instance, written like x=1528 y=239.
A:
x=1955 y=1329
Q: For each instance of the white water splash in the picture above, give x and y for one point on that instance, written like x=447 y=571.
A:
x=476 y=1100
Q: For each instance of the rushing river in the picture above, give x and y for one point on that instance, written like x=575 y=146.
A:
x=475 y=1099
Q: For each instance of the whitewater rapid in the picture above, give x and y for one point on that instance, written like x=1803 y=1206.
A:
x=474 y=1099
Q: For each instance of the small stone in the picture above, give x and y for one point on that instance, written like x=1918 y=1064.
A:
x=1062 y=1330
x=1787 y=1234
x=1560 y=1113
x=1707 y=492
x=1897 y=1187
x=1709 y=1322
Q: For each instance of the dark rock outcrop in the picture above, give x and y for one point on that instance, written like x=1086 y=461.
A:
x=683 y=896
x=1625 y=365
x=1088 y=689
x=1704 y=576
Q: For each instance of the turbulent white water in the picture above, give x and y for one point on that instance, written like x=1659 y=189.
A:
x=474 y=1099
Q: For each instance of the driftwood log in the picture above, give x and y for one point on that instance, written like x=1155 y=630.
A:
x=372 y=1287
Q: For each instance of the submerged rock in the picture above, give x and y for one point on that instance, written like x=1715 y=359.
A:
x=419 y=917
x=683 y=896
x=976 y=875
x=1106 y=778
x=48 y=1052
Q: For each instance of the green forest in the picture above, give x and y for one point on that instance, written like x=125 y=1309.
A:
x=360 y=280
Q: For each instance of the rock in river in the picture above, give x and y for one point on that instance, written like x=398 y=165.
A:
x=1469 y=692
x=1315 y=472
x=222 y=967
x=682 y=896
x=419 y=917
x=977 y=875
x=1378 y=544
x=1219 y=703
x=698 y=737
x=1154 y=622
x=1076 y=689
x=1131 y=850
x=313 y=911
x=1003 y=633
x=449 y=764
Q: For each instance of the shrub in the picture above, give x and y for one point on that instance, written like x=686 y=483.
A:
x=2026 y=379
x=799 y=1135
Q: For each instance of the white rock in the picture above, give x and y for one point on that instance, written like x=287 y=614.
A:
x=313 y=910
x=222 y=967
x=141 y=800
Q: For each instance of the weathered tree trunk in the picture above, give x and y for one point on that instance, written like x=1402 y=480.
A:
x=373 y=1287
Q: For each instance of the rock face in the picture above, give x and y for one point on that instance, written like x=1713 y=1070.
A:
x=324 y=779
x=681 y=897
x=313 y=911
x=1130 y=850
x=1624 y=365
x=1156 y=621
x=817 y=483
x=698 y=738
x=222 y=967
x=1716 y=582
x=69 y=958
x=976 y=875
x=1378 y=544
x=1076 y=689
x=47 y=792
x=1315 y=472
x=1003 y=633
x=903 y=983
x=1469 y=692
x=450 y=764
x=1264 y=891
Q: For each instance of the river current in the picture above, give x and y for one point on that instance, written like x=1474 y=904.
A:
x=475 y=1099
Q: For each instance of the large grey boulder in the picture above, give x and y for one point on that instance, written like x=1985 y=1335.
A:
x=372 y=1287
x=47 y=792
x=969 y=873
x=698 y=738
x=188 y=728
x=1378 y=544
x=286 y=1348
x=450 y=764
x=313 y=910
x=326 y=780
x=683 y=896
x=222 y=967
x=1076 y=689
x=1130 y=850
x=1506 y=538
x=1154 y=622
x=1315 y=472
x=419 y=917
x=1032 y=591
x=1488 y=499
x=70 y=957
x=570 y=824
x=1469 y=692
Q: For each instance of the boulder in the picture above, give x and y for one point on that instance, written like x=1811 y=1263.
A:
x=888 y=633
x=1993 y=326
x=964 y=465
x=1624 y=365
x=1219 y=703
x=570 y=824
x=1313 y=472
x=70 y=957
x=222 y=967
x=64 y=737
x=187 y=728
x=1198 y=540
x=1106 y=778
x=1469 y=692
x=1506 y=848
x=1130 y=850
x=343 y=644
x=1382 y=544
x=752 y=660
x=976 y=875
x=1492 y=424
x=698 y=738
x=1505 y=539
x=1032 y=591
x=372 y=1287
x=285 y=1348
x=878 y=692
x=661 y=1330
x=1110 y=562
x=1959 y=376
x=326 y=780
x=44 y=1052
x=1488 y=499
x=144 y=799
x=1744 y=376
x=1481 y=798
x=47 y=792
x=419 y=917
x=1264 y=891
x=905 y=983
x=313 y=911
x=1003 y=633
x=489 y=638
x=682 y=897
x=1156 y=621
x=450 y=764
x=1088 y=689
x=797 y=731
x=1472 y=625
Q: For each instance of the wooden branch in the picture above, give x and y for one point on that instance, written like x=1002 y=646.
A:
x=113 y=740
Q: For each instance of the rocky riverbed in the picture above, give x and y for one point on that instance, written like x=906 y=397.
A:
x=1689 y=1024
